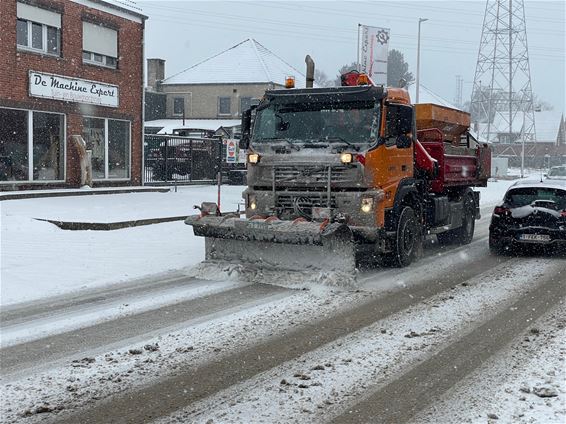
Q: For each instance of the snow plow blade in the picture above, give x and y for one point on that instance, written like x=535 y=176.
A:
x=277 y=245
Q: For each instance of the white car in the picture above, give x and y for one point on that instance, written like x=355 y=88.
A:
x=557 y=173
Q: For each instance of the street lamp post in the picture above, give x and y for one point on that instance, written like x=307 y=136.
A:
x=421 y=20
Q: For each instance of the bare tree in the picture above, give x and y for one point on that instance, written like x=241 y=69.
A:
x=321 y=79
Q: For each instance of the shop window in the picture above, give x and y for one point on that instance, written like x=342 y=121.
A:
x=14 y=155
x=100 y=45
x=109 y=141
x=118 y=149
x=94 y=135
x=178 y=106
x=38 y=29
x=224 y=105
x=48 y=146
x=31 y=139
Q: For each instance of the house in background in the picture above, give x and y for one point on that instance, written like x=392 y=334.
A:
x=218 y=88
x=548 y=150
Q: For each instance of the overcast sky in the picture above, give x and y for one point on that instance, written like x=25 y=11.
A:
x=185 y=32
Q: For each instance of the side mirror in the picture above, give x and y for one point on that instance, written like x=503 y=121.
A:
x=246 y=129
x=244 y=142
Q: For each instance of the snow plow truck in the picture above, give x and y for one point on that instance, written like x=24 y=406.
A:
x=337 y=174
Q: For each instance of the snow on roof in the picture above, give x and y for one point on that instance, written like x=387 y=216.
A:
x=547 y=125
x=124 y=4
x=169 y=125
x=537 y=184
x=246 y=62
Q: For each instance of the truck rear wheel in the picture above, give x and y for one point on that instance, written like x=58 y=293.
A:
x=465 y=233
x=407 y=239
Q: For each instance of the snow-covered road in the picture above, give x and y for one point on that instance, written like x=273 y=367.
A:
x=173 y=348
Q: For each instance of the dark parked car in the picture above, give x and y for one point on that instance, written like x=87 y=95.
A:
x=533 y=214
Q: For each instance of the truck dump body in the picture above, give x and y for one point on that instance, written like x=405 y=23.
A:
x=442 y=132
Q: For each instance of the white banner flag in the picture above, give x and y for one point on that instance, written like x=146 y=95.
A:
x=373 y=48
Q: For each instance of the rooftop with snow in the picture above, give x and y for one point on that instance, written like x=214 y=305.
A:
x=247 y=62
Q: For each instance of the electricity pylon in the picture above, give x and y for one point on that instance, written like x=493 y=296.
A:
x=502 y=97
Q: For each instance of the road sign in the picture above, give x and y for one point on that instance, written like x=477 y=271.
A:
x=231 y=151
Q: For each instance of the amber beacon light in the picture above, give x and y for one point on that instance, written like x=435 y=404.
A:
x=290 y=81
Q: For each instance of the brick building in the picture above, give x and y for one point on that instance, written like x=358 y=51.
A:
x=70 y=67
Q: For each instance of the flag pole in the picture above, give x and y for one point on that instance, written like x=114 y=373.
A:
x=358 y=64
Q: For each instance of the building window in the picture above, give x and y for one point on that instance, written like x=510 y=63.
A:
x=31 y=140
x=38 y=30
x=109 y=141
x=14 y=154
x=100 y=45
x=245 y=104
x=48 y=147
x=178 y=106
x=224 y=105
x=118 y=149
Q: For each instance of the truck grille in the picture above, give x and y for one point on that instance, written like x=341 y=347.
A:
x=302 y=203
x=339 y=174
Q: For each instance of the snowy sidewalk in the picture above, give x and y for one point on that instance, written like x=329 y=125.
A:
x=39 y=259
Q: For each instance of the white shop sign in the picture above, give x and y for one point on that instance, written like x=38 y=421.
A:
x=72 y=89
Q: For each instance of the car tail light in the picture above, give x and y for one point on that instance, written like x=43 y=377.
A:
x=501 y=211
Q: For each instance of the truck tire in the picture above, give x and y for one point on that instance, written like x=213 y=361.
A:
x=407 y=239
x=465 y=233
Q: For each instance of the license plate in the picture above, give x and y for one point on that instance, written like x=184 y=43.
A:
x=257 y=225
x=535 y=237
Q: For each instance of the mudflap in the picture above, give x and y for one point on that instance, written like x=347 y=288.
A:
x=268 y=244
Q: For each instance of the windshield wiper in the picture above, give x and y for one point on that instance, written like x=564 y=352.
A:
x=286 y=140
x=343 y=140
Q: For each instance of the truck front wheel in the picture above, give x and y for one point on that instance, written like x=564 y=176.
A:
x=407 y=239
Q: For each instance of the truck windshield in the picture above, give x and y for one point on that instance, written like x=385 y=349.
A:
x=351 y=123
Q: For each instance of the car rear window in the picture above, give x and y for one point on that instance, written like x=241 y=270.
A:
x=518 y=197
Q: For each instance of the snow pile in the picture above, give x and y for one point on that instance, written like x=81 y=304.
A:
x=298 y=280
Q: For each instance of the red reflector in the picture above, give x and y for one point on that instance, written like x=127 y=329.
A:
x=361 y=159
x=500 y=211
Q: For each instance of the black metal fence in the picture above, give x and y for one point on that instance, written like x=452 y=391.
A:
x=184 y=160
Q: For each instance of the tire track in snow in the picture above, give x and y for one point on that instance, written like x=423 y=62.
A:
x=423 y=384
x=43 y=353
x=318 y=384
x=164 y=397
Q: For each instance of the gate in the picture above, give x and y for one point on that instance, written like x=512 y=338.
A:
x=171 y=159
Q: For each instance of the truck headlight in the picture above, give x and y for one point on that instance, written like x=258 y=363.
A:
x=252 y=204
x=367 y=204
x=253 y=158
x=346 y=158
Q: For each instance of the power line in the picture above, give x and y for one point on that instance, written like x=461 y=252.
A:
x=322 y=37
